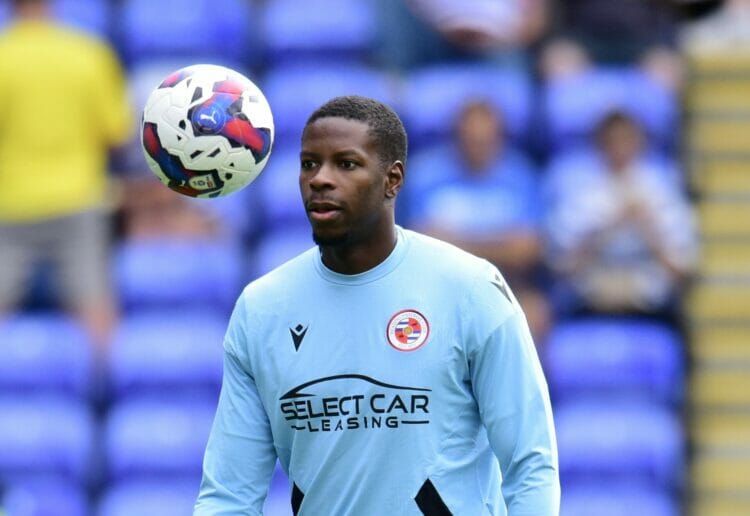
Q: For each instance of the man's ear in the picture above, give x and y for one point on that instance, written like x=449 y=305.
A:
x=394 y=179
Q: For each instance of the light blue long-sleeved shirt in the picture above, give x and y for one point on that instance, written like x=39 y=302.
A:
x=412 y=388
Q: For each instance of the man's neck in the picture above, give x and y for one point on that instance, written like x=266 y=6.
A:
x=361 y=257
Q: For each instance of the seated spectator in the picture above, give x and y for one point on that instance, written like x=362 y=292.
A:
x=625 y=243
x=481 y=195
x=149 y=209
x=617 y=32
x=639 y=32
x=418 y=32
x=725 y=29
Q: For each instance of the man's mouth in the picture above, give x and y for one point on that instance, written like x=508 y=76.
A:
x=323 y=210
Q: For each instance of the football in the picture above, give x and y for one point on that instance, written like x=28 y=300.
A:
x=207 y=131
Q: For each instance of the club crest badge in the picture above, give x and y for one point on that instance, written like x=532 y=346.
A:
x=407 y=330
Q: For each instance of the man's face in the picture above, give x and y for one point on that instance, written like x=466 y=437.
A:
x=479 y=137
x=343 y=183
x=621 y=143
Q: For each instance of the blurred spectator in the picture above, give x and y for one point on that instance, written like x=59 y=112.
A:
x=726 y=29
x=619 y=32
x=65 y=106
x=480 y=194
x=642 y=32
x=623 y=240
x=151 y=210
x=417 y=32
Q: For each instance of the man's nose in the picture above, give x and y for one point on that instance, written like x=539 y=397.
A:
x=323 y=177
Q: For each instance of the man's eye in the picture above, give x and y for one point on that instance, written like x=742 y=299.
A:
x=348 y=165
x=307 y=164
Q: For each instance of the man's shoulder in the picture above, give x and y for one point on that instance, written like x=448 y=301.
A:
x=462 y=275
x=285 y=277
x=443 y=258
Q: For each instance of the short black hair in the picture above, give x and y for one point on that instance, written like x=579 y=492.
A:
x=614 y=118
x=386 y=128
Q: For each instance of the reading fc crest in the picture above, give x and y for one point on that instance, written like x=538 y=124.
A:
x=408 y=330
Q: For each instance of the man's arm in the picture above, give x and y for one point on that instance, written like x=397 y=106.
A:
x=240 y=455
x=514 y=405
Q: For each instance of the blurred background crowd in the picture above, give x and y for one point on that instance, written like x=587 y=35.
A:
x=595 y=151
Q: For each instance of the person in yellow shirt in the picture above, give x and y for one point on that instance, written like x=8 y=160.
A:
x=63 y=107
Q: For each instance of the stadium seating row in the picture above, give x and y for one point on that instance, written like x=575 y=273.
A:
x=428 y=99
x=170 y=350
x=238 y=30
x=617 y=387
x=616 y=384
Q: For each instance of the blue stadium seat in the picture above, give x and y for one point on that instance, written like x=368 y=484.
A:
x=278 y=501
x=175 y=497
x=620 y=441
x=603 y=499
x=434 y=95
x=162 y=497
x=178 y=273
x=281 y=245
x=167 y=351
x=575 y=104
x=45 y=352
x=317 y=28
x=42 y=497
x=609 y=358
x=5 y=14
x=154 y=438
x=295 y=91
x=48 y=435
x=278 y=189
x=93 y=16
x=201 y=29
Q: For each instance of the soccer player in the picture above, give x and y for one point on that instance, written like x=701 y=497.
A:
x=391 y=373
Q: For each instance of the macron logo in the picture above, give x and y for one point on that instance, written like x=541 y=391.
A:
x=501 y=286
x=298 y=334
